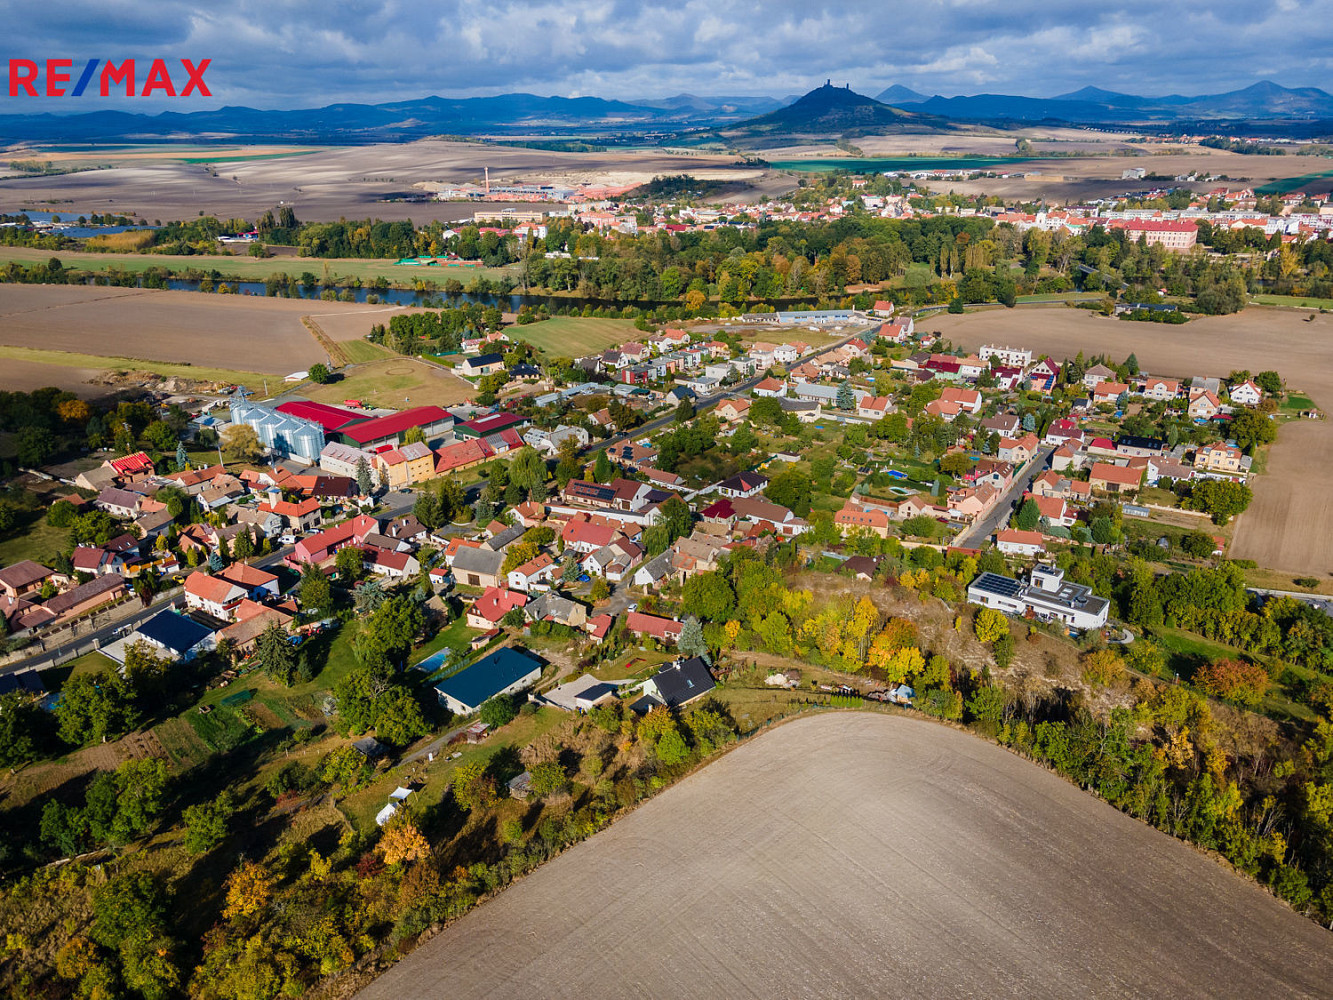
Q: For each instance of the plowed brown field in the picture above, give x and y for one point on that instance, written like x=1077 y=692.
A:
x=858 y=855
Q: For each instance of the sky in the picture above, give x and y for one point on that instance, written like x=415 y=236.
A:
x=309 y=53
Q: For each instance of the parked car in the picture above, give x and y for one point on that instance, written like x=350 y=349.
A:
x=287 y=539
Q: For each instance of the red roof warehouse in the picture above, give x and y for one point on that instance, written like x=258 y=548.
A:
x=434 y=422
x=329 y=417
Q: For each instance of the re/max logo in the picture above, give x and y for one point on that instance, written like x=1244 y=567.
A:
x=24 y=73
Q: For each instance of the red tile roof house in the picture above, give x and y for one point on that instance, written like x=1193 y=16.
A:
x=301 y=516
x=137 y=464
x=732 y=410
x=530 y=513
x=631 y=455
x=669 y=480
x=390 y=565
x=768 y=516
x=970 y=503
x=635 y=352
x=586 y=534
x=321 y=547
x=463 y=455
x=1114 y=478
x=488 y=609
x=94 y=560
x=1203 y=404
x=874 y=407
x=968 y=400
x=662 y=629
x=258 y=583
x=535 y=574
x=1018 y=451
x=1108 y=392
x=21 y=616
x=1054 y=511
x=853 y=517
x=1012 y=542
x=219 y=598
x=599 y=626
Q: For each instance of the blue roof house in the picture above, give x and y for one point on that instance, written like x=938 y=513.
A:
x=175 y=635
x=505 y=671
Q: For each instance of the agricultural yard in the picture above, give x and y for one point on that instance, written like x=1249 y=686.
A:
x=575 y=336
x=1285 y=527
x=955 y=855
x=247 y=268
x=394 y=382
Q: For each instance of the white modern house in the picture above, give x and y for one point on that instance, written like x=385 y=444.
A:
x=1047 y=595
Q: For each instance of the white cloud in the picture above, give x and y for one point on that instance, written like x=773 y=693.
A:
x=300 y=53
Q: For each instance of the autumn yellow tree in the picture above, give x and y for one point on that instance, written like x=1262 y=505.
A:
x=75 y=411
x=902 y=664
x=990 y=625
x=402 y=841
x=864 y=620
x=732 y=630
x=249 y=889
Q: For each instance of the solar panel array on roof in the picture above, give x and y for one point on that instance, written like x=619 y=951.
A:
x=1001 y=586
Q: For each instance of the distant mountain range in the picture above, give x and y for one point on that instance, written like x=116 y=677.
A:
x=1264 y=100
x=826 y=110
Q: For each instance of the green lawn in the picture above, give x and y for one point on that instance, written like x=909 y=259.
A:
x=37 y=541
x=574 y=336
x=1061 y=297
x=1295 y=402
x=1297 y=301
x=394 y=382
x=633 y=664
x=361 y=351
x=327 y=270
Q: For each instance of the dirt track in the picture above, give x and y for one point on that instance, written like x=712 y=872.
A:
x=1286 y=528
x=870 y=856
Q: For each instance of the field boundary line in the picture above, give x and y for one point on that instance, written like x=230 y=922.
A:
x=337 y=356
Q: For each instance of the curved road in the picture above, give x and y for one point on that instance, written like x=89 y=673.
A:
x=860 y=855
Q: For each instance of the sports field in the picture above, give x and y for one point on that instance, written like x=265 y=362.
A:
x=575 y=336
x=859 y=855
x=395 y=382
